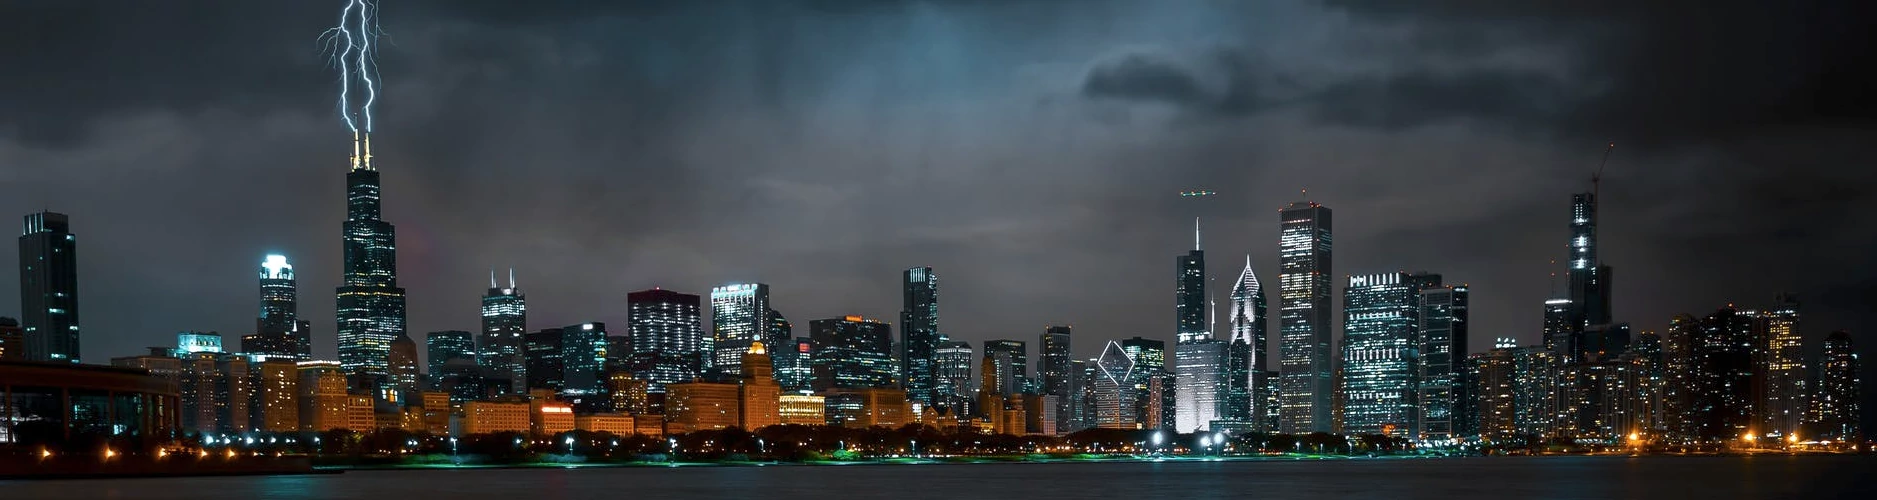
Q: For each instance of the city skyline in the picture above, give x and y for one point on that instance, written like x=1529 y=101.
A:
x=983 y=302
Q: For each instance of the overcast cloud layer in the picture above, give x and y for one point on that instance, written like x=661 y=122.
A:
x=1030 y=151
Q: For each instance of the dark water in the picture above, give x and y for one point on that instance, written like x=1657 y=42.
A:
x=1653 y=478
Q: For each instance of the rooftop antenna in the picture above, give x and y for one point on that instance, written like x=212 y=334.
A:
x=511 y=277
x=492 y=278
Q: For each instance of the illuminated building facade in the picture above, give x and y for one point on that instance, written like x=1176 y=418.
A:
x=611 y=423
x=1153 y=393
x=279 y=331
x=919 y=335
x=1245 y=389
x=698 y=406
x=1442 y=334
x=867 y=407
x=759 y=398
x=1679 y=378
x=794 y=366
x=215 y=392
x=323 y=398
x=504 y=331
x=194 y=342
x=799 y=409
x=1304 y=324
x=49 y=288
x=667 y=336
x=276 y=391
x=1198 y=369
x=1783 y=388
x=1380 y=352
x=739 y=314
x=1496 y=390
x=954 y=372
x=547 y=417
x=370 y=303
x=1557 y=329
x=1590 y=285
x=852 y=352
x=628 y=393
x=485 y=417
x=1537 y=386
x=1835 y=408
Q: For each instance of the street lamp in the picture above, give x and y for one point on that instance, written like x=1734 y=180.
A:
x=570 y=445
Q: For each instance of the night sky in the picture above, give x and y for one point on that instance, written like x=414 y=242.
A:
x=1030 y=151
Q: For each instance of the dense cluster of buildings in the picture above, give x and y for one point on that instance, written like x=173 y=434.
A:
x=1400 y=368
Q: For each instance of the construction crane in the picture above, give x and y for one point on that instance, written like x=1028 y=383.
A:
x=1597 y=178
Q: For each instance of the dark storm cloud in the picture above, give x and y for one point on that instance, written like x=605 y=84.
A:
x=1028 y=150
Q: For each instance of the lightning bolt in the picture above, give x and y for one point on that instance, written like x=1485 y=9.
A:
x=348 y=45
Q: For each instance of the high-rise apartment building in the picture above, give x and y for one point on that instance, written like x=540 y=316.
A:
x=1304 y=324
x=49 y=288
x=1782 y=389
x=1835 y=407
x=583 y=358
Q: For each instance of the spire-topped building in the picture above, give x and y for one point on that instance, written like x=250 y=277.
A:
x=504 y=322
x=370 y=303
x=1198 y=358
x=1245 y=397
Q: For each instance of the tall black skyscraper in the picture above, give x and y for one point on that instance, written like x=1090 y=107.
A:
x=919 y=335
x=852 y=352
x=1306 y=377
x=1011 y=359
x=668 y=344
x=1056 y=367
x=49 y=288
x=1589 y=280
x=504 y=325
x=1442 y=336
x=1189 y=294
x=370 y=304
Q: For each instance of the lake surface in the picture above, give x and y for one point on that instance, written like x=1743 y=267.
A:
x=1652 y=478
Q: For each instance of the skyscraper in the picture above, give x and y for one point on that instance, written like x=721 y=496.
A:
x=1722 y=379
x=1198 y=370
x=667 y=336
x=370 y=303
x=504 y=326
x=441 y=347
x=1189 y=294
x=1055 y=365
x=1245 y=366
x=1305 y=387
x=739 y=314
x=781 y=333
x=1012 y=357
x=1835 y=410
x=279 y=325
x=1782 y=405
x=919 y=335
x=1442 y=336
x=795 y=368
x=1113 y=392
x=1557 y=329
x=954 y=373
x=1380 y=347
x=852 y=352
x=583 y=357
x=545 y=352
x=1589 y=279
x=1679 y=378
x=49 y=288
x=1154 y=402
